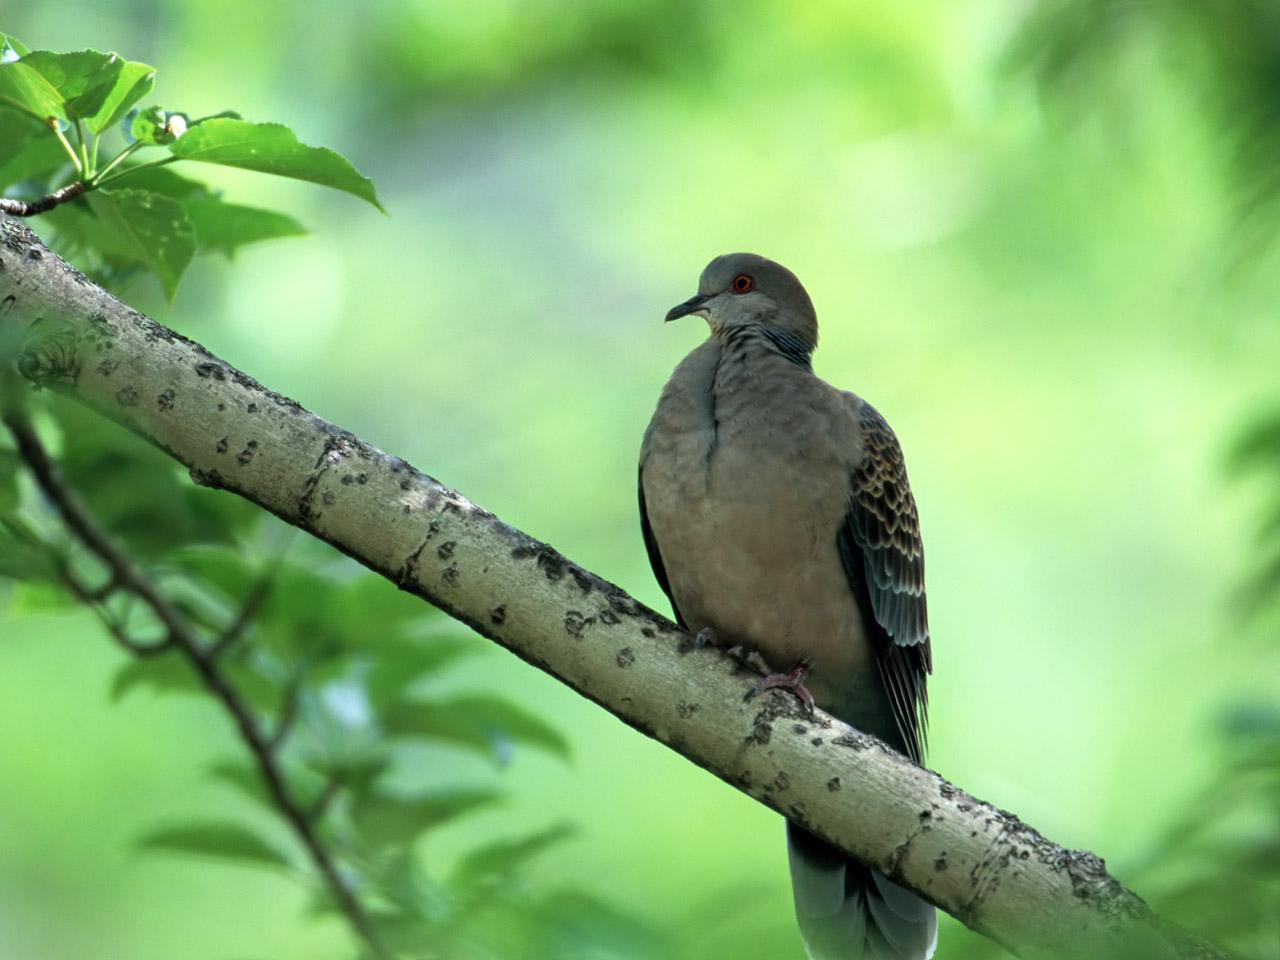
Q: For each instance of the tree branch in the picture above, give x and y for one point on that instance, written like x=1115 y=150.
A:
x=75 y=515
x=980 y=863
x=29 y=208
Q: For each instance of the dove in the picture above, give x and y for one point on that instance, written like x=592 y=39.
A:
x=778 y=519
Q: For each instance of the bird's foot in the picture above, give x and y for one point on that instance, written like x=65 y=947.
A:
x=706 y=637
x=793 y=680
x=750 y=659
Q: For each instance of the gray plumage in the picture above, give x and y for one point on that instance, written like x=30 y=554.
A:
x=776 y=512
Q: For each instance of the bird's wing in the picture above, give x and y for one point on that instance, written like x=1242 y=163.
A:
x=879 y=544
x=651 y=547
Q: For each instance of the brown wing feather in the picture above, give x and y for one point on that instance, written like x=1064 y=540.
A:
x=655 y=556
x=883 y=558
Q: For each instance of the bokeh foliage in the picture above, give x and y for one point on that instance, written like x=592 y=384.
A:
x=1023 y=229
x=1222 y=55
x=1217 y=865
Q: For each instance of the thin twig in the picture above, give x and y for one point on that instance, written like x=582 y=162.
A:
x=288 y=713
x=103 y=593
x=29 y=208
x=180 y=633
x=271 y=773
x=248 y=610
x=321 y=803
x=115 y=625
x=92 y=597
x=80 y=522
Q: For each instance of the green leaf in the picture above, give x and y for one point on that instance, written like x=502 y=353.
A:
x=271 y=148
x=355 y=771
x=301 y=616
x=11 y=46
x=27 y=89
x=83 y=79
x=214 y=838
x=370 y=598
x=480 y=722
x=220 y=227
x=164 y=673
x=572 y=917
x=154 y=125
x=39 y=597
x=16 y=130
x=398 y=664
x=132 y=83
x=221 y=567
x=400 y=878
x=10 y=467
x=504 y=857
x=162 y=180
x=383 y=819
x=20 y=561
x=403 y=933
x=244 y=778
x=145 y=124
x=225 y=227
x=155 y=229
x=35 y=158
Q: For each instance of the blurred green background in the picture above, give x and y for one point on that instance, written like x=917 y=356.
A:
x=1038 y=240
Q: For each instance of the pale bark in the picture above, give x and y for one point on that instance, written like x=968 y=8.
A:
x=981 y=864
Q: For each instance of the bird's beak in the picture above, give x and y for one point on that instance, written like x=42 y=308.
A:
x=695 y=304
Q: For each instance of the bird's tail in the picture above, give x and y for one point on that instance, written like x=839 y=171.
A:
x=848 y=911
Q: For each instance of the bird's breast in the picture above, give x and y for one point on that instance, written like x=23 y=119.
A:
x=745 y=503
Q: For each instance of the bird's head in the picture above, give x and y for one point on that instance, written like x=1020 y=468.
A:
x=739 y=290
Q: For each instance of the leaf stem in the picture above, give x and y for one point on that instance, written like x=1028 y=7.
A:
x=84 y=149
x=118 y=159
x=128 y=170
x=66 y=145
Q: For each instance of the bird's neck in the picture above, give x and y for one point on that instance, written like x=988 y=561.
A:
x=751 y=339
x=790 y=346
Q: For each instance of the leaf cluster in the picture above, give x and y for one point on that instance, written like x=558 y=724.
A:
x=75 y=118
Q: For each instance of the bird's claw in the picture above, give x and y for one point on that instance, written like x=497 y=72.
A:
x=706 y=637
x=748 y=658
x=793 y=681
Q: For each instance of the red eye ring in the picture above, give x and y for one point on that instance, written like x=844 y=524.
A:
x=742 y=283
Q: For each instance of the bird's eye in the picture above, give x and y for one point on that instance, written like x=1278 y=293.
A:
x=742 y=283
